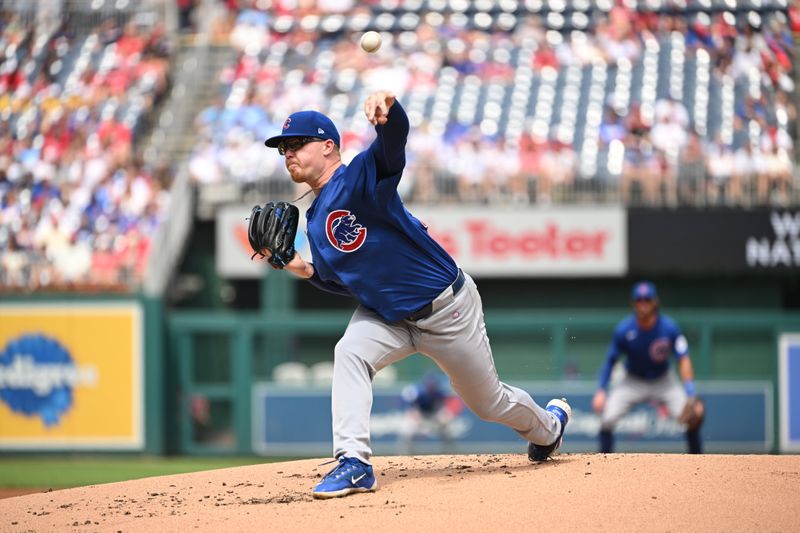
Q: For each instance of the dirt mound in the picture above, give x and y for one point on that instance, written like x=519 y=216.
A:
x=10 y=492
x=616 y=492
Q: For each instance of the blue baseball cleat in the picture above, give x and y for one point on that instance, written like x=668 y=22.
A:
x=562 y=411
x=349 y=476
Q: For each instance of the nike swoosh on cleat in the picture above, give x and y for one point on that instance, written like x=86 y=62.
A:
x=355 y=480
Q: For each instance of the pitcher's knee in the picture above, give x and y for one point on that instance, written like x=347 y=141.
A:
x=342 y=351
x=346 y=357
x=485 y=412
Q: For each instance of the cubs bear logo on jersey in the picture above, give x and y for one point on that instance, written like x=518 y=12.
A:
x=660 y=349
x=344 y=233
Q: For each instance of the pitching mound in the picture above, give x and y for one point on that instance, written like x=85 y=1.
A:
x=637 y=492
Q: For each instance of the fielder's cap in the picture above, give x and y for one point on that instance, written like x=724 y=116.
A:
x=644 y=290
x=306 y=124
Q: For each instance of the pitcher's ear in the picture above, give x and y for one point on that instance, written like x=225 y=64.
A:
x=329 y=147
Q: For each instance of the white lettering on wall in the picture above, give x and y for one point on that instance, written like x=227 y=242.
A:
x=25 y=373
x=780 y=250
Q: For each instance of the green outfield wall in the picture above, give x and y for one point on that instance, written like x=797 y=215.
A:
x=197 y=367
x=217 y=356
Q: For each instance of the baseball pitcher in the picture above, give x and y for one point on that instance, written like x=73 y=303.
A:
x=412 y=295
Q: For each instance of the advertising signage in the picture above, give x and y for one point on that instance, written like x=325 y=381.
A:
x=564 y=241
x=486 y=242
x=71 y=377
x=714 y=240
x=297 y=421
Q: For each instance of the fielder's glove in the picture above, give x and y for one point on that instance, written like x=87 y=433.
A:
x=273 y=227
x=693 y=413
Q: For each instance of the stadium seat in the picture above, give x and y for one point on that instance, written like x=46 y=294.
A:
x=473 y=42
x=386 y=377
x=292 y=374
x=322 y=374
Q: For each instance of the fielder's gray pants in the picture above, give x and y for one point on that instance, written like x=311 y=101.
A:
x=632 y=390
x=454 y=336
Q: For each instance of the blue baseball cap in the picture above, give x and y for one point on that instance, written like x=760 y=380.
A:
x=644 y=290
x=306 y=124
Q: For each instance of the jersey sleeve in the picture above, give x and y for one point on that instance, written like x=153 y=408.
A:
x=613 y=352
x=388 y=150
x=328 y=286
x=680 y=346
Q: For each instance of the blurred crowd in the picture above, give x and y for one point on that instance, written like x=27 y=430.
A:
x=681 y=106
x=78 y=206
x=698 y=108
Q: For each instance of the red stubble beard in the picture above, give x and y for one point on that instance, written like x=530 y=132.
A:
x=295 y=172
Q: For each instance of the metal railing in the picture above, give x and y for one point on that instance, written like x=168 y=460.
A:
x=690 y=186
x=84 y=15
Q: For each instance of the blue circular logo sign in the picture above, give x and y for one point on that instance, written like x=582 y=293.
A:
x=37 y=377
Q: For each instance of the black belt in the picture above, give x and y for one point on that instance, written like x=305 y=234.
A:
x=427 y=310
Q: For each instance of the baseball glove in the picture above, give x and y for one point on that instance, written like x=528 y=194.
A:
x=693 y=413
x=273 y=227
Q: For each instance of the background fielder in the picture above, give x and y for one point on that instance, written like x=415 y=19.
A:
x=648 y=338
x=429 y=410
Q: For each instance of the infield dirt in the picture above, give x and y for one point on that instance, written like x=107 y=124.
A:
x=574 y=492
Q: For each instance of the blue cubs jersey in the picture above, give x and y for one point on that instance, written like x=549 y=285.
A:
x=647 y=351
x=363 y=240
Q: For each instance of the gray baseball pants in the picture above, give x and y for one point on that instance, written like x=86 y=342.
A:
x=454 y=336
x=632 y=390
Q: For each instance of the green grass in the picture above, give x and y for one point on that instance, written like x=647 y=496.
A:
x=63 y=472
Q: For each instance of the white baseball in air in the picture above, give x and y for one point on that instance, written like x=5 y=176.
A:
x=371 y=41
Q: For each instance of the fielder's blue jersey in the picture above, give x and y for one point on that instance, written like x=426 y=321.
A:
x=647 y=351
x=428 y=400
x=363 y=240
